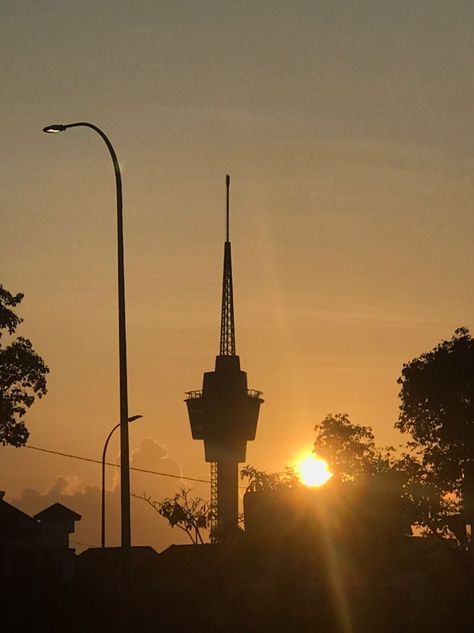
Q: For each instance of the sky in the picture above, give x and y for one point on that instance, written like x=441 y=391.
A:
x=347 y=129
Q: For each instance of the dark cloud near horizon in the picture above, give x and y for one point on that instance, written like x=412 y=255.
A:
x=148 y=528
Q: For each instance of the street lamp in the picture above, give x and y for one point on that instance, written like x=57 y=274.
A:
x=104 y=453
x=124 y=448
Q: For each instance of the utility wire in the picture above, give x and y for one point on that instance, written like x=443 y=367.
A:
x=98 y=461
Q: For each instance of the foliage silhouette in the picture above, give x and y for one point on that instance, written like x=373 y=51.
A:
x=22 y=374
x=348 y=448
x=261 y=481
x=189 y=515
x=437 y=409
x=351 y=453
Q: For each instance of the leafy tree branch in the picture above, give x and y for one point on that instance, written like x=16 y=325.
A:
x=22 y=374
x=191 y=515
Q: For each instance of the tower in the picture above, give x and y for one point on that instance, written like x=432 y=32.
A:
x=225 y=412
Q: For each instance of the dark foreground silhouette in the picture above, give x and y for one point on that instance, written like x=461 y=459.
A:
x=411 y=586
x=309 y=561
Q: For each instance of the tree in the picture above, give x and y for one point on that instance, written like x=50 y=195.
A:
x=22 y=374
x=261 y=481
x=189 y=515
x=351 y=453
x=425 y=502
x=348 y=448
x=437 y=409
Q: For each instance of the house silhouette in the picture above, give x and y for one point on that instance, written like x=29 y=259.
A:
x=36 y=549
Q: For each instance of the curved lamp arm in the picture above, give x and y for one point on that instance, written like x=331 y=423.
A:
x=54 y=129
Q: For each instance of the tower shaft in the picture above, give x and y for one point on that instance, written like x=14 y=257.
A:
x=213 y=505
x=227 y=498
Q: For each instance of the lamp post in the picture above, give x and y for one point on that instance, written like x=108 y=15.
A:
x=124 y=448
x=104 y=453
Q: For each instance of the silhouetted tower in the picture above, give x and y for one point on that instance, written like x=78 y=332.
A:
x=225 y=412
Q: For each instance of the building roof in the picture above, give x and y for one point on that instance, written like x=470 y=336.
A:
x=15 y=522
x=57 y=512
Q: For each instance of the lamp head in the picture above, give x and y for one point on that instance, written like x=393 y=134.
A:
x=54 y=129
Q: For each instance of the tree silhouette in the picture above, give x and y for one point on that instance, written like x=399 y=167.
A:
x=351 y=453
x=437 y=409
x=189 y=515
x=22 y=374
x=261 y=481
x=348 y=448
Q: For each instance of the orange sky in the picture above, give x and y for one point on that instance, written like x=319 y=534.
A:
x=347 y=129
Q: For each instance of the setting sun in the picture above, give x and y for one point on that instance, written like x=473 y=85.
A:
x=313 y=471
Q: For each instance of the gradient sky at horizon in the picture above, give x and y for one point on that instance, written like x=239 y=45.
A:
x=347 y=129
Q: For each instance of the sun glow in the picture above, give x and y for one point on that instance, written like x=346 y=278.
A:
x=313 y=471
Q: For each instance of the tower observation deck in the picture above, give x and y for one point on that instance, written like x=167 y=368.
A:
x=225 y=412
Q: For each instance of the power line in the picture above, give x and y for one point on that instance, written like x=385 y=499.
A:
x=98 y=461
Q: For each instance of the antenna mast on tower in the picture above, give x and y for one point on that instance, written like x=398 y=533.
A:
x=227 y=345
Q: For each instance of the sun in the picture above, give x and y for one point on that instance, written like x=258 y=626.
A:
x=312 y=470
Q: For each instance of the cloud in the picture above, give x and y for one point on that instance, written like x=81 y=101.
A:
x=67 y=486
x=150 y=456
x=148 y=527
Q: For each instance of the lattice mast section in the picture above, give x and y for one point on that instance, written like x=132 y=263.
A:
x=227 y=342
x=214 y=506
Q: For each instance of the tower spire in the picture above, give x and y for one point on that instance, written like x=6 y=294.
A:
x=227 y=342
x=227 y=206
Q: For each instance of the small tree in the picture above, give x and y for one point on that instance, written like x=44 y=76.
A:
x=189 y=515
x=22 y=374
